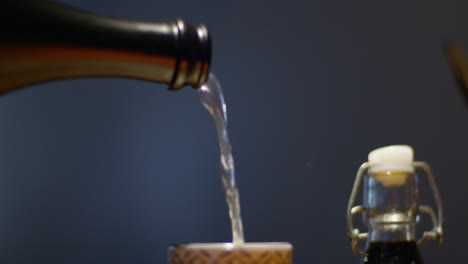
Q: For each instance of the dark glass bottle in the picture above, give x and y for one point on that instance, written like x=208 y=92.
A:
x=41 y=40
x=391 y=208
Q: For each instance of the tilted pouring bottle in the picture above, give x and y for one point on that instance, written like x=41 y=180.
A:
x=391 y=207
x=42 y=40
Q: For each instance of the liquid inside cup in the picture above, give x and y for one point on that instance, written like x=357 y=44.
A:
x=224 y=253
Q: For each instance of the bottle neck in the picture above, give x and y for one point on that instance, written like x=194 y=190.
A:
x=391 y=200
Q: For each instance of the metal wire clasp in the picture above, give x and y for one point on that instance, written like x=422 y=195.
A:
x=436 y=233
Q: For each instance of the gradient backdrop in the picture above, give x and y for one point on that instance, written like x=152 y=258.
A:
x=115 y=171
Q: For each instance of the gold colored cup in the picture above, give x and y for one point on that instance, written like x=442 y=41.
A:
x=228 y=253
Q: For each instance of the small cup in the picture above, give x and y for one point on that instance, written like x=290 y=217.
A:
x=228 y=253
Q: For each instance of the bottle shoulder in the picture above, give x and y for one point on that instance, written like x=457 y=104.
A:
x=404 y=252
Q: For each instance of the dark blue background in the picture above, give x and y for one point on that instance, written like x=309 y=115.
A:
x=115 y=171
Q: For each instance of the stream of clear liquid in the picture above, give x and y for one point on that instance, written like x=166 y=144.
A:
x=212 y=98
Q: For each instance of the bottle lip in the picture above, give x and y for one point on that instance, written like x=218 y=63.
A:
x=193 y=55
x=205 y=54
x=391 y=175
x=376 y=168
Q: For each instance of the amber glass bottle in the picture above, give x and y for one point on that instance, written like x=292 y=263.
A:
x=42 y=40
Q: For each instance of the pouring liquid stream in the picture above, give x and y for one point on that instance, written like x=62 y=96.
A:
x=212 y=98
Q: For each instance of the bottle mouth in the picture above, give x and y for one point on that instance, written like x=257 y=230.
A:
x=194 y=55
x=392 y=176
x=205 y=54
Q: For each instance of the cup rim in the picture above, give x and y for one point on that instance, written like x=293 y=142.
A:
x=232 y=246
